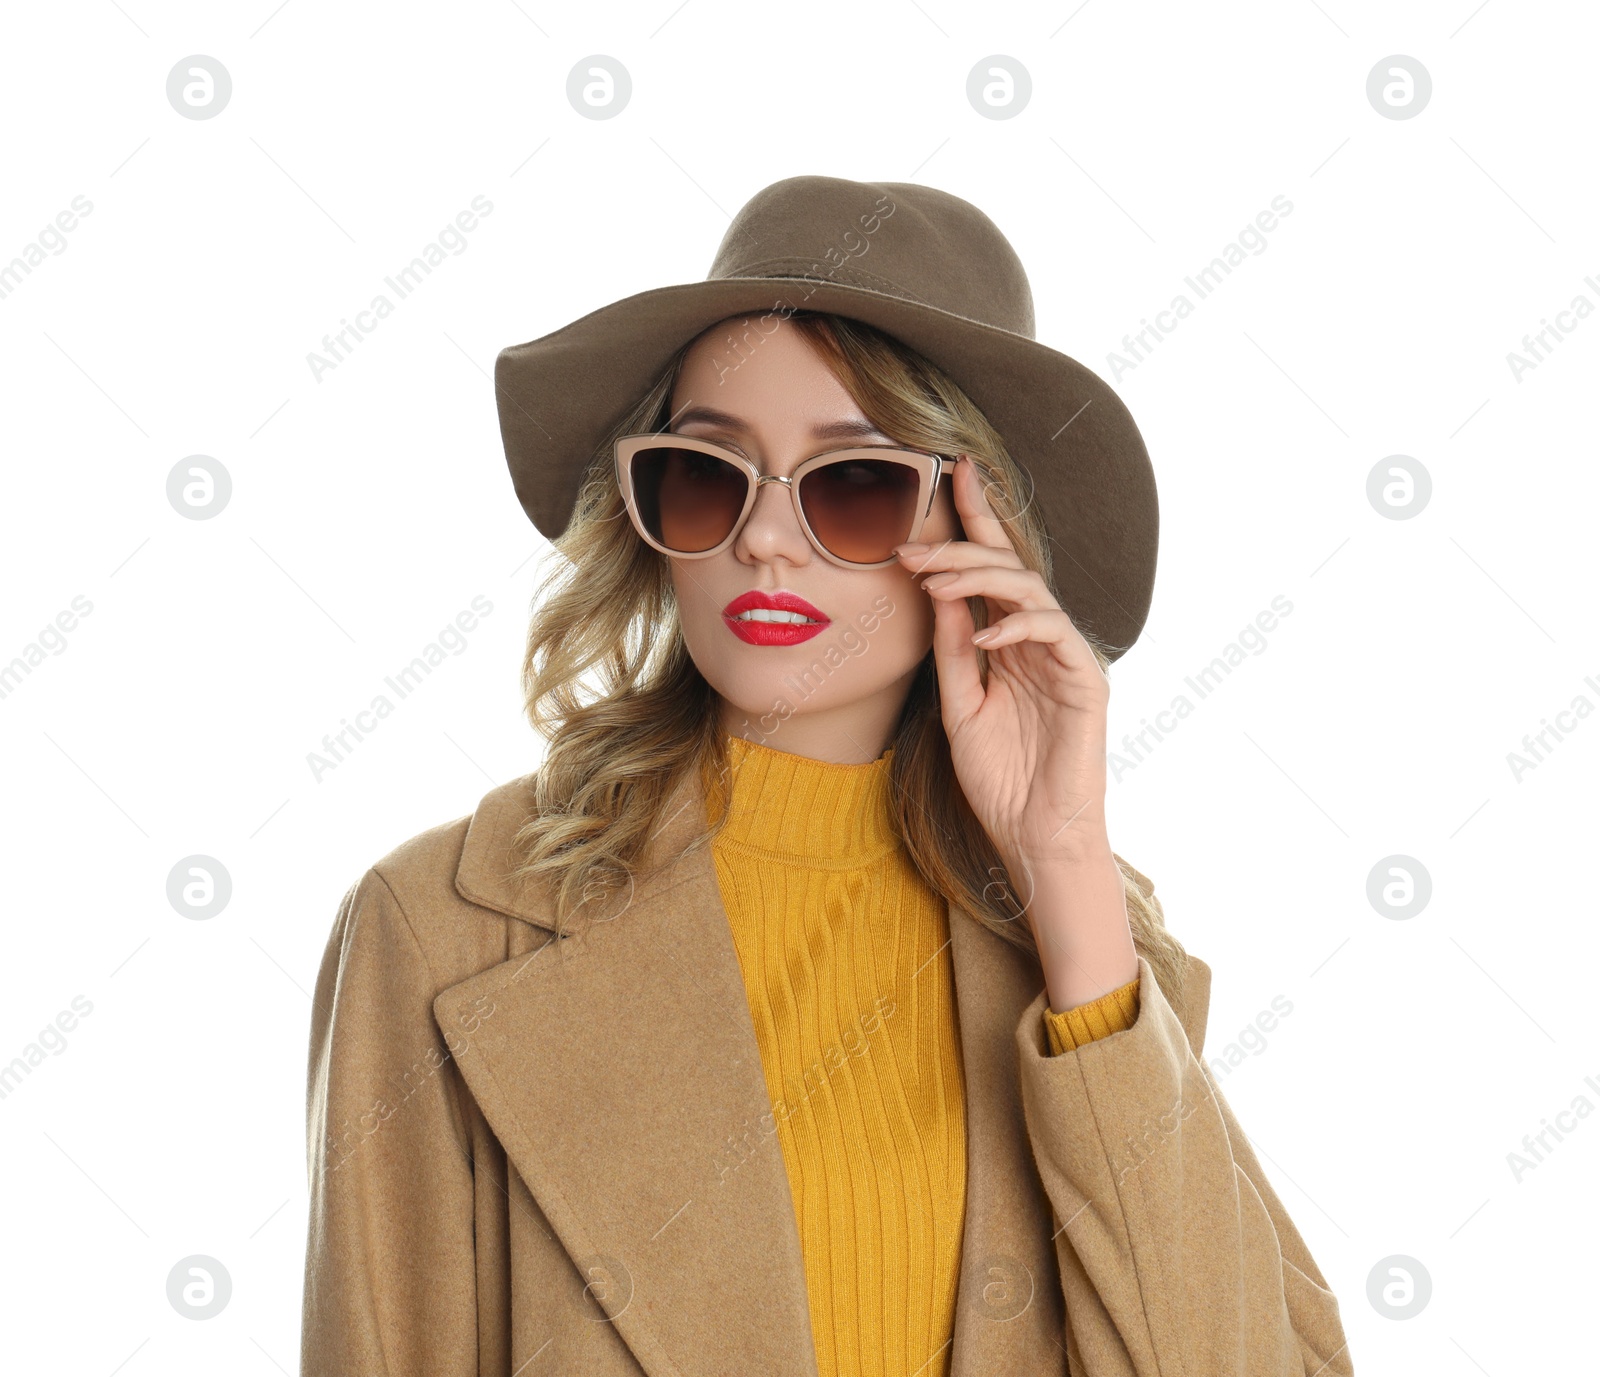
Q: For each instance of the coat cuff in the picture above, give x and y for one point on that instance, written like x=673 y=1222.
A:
x=1175 y=1253
x=1113 y=1012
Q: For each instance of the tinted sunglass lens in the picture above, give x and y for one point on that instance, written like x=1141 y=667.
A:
x=687 y=499
x=861 y=509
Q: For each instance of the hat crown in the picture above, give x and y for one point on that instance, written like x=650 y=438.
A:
x=899 y=238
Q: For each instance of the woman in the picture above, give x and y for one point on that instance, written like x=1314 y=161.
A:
x=796 y=1016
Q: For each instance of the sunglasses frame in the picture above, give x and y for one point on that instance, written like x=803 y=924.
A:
x=930 y=469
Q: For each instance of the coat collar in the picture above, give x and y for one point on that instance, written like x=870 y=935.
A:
x=619 y=1069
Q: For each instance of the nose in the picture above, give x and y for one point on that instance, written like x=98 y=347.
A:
x=772 y=531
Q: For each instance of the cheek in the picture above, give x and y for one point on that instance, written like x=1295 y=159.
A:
x=908 y=624
x=691 y=604
x=698 y=611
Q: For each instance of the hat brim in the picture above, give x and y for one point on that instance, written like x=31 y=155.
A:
x=561 y=395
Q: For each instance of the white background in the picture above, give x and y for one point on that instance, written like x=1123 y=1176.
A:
x=369 y=508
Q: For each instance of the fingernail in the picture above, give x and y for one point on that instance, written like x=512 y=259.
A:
x=912 y=547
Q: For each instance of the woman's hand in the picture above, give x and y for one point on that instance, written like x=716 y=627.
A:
x=1029 y=749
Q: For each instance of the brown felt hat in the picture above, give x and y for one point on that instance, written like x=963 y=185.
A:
x=917 y=263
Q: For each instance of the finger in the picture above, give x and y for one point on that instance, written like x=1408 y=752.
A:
x=978 y=520
x=922 y=558
x=1051 y=627
x=955 y=659
x=1024 y=588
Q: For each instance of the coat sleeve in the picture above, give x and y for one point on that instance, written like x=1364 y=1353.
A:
x=389 y=1270
x=1175 y=1253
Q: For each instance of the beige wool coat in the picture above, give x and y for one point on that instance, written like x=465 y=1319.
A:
x=532 y=1155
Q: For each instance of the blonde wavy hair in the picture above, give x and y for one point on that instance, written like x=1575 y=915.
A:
x=618 y=750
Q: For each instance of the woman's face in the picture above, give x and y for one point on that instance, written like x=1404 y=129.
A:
x=835 y=695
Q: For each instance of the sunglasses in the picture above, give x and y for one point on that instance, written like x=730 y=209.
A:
x=689 y=498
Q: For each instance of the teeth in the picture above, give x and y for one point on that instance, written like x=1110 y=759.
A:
x=770 y=614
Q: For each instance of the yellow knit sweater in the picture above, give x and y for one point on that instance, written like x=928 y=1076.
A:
x=845 y=954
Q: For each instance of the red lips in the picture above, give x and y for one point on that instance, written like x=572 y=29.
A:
x=773 y=633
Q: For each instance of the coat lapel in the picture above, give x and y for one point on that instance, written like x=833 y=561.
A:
x=620 y=1070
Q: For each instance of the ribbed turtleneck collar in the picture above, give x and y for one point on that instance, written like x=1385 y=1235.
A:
x=797 y=809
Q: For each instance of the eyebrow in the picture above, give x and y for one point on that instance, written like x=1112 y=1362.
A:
x=823 y=430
